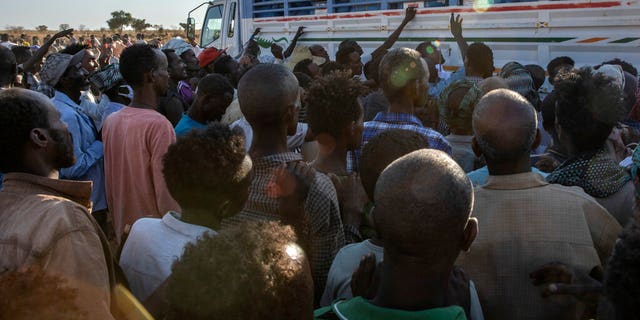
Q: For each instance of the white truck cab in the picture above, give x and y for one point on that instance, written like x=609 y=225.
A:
x=530 y=32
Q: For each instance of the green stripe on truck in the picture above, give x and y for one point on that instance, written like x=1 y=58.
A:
x=624 y=40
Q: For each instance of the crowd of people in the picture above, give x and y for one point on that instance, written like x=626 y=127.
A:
x=164 y=180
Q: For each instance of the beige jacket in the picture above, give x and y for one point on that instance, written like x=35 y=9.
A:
x=525 y=222
x=46 y=223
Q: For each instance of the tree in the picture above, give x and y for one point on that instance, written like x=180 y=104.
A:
x=82 y=27
x=42 y=28
x=139 y=24
x=63 y=26
x=119 y=20
x=15 y=28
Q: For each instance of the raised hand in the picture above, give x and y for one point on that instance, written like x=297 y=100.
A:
x=276 y=51
x=64 y=33
x=366 y=278
x=456 y=25
x=410 y=13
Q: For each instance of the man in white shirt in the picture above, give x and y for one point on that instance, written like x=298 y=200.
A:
x=208 y=173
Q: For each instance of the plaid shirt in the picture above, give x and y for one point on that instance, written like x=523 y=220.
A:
x=391 y=120
x=321 y=207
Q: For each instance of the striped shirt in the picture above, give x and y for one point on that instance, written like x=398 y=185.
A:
x=391 y=120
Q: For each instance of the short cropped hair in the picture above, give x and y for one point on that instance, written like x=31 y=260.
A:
x=480 y=57
x=215 y=85
x=135 y=61
x=383 y=149
x=342 y=56
x=332 y=103
x=21 y=113
x=252 y=271
x=303 y=66
x=537 y=74
x=22 y=53
x=167 y=53
x=422 y=199
x=399 y=68
x=587 y=107
x=8 y=66
x=206 y=166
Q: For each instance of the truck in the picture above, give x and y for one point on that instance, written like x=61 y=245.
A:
x=530 y=32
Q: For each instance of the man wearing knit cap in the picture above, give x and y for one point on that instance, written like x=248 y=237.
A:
x=64 y=72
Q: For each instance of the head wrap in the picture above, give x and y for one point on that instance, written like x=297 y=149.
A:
x=106 y=78
x=612 y=71
x=178 y=45
x=520 y=81
x=210 y=55
x=461 y=116
x=302 y=53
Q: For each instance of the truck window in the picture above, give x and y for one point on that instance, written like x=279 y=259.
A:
x=212 y=25
x=232 y=20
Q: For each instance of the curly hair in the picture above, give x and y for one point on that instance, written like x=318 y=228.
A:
x=332 y=103
x=206 y=167
x=587 y=107
x=22 y=111
x=251 y=271
x=28 y=295
x=331 y=66
x=383 y=149
x=480 y=57
x=622 y=277
x=554 y=66
x=135 y=61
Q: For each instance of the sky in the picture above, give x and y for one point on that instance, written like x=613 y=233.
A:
x=94 y=14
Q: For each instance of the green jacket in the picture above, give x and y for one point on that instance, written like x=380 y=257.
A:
x=360 y=309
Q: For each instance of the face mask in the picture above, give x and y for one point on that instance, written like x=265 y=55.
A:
x=125 y=91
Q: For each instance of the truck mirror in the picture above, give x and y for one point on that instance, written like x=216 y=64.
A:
x=191 y=28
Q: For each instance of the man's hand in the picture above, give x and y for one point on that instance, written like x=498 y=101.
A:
x=299 y=32
x=456 y=25
x=458 y=290
x=255 y=32
x=64 y=33
x=559 y=279
x=366 y=278
x=410 y=13
x=352 y=196
x=292 y=181
x=276 y=51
